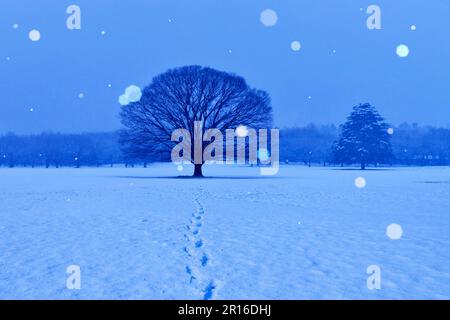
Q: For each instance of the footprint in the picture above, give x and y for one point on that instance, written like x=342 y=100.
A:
x=199 y=244
x=209 y=290
x=189 y=272
x=185 y=249
x=204 y=260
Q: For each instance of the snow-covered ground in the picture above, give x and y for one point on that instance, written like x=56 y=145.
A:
x=144 y=234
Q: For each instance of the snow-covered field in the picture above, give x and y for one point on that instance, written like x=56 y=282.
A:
x=144 y=234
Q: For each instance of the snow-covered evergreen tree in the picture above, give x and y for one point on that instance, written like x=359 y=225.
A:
x=364 y=138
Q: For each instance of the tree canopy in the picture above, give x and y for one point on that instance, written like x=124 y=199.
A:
x=181 y=96
x=364 y=138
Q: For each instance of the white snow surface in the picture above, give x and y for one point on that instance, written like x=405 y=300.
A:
x=307 y=233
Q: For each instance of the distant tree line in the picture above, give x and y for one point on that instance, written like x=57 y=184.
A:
x=57 y=150
x=421 y=146
x=412 y=145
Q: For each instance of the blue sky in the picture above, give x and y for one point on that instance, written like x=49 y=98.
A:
x=341 y=62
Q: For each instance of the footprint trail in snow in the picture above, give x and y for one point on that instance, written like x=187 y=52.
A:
x=198 y=259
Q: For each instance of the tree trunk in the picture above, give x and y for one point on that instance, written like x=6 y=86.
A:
x=363 y=166
x=198 y=170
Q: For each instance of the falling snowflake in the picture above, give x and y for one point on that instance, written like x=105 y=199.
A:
x=132 y=94
x=241 y=131
x=295 y=45
x=123 y=100
x=390 y=131
x=81 y=95
x=15 y=26
x=269 y=18
x=34 y=35
x=360 y=182
x=413 y=27
x=394 y=231
x=402 y=51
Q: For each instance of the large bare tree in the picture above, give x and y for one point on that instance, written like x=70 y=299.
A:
x=181 y=96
